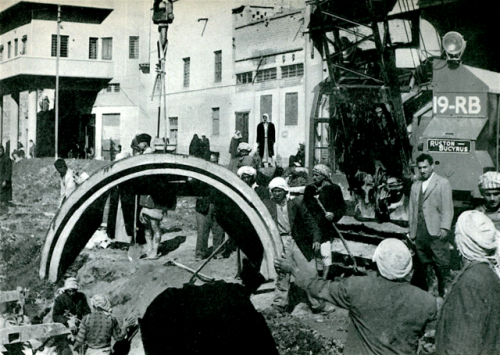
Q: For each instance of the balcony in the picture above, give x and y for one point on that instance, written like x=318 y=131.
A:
x=73 y=68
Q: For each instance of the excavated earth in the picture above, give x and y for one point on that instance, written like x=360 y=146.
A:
x=132 y=286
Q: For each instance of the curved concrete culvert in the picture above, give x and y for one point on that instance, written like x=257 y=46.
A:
x=80 y=215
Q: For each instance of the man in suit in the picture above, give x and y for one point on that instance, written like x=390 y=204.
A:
x=300 y=235
x=430 y=217
x=266 y=136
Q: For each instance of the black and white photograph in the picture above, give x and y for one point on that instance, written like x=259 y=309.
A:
x=272 y=177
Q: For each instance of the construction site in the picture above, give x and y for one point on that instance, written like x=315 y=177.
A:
x=401 y=89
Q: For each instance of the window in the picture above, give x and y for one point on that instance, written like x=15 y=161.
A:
x=187 y=65
x=24 y=40
x=16 y=47
x=218 y=66
x=215 y=121
x=290 y=71
x=244 y=78
x=9 y=49
x=92 y=48
x=133 y=49
x=113 y=88
x=291 y=108
x=174 y=128
x=64 y=46
x=107 y=48
x=265 y=75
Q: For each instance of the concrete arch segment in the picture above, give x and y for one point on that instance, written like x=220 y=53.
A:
x=80 y=215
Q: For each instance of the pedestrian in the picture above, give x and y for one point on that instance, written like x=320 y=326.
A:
x=206 y=221
x=204 y=147
x=470 y=316
x=70 y=306
x=31 y=149
x=489 y=186
x=98 y=327
x=233 y=146
x=299 y=234
x=266 y=136
x=68 y=184
x=388 y=315
x=430 y=217
x=194 y=146
x=140 y=143
x=5 y=181
x=325 y=202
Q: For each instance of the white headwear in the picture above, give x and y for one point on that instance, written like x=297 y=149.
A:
x=489 y=181
x=279 y=182
x=246 y=170
x=393 y=259
x=476 y=236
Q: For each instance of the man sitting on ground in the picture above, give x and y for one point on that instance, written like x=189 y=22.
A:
x=388 y=314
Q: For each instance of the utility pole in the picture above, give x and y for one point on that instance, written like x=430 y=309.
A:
x=56 y=102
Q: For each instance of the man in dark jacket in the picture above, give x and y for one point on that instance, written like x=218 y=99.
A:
x=266 y=136
x=325 y=202
x=5 y=181
x=388 y=314
x=299 y=233
x=70 y=303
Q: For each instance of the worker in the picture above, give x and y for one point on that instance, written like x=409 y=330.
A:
x=266 y=137
x=300 y=236
x=489 y=186
x=430 y=217
x=470 y=317
x=206 y=221
x=325 y=202
x=98 y=327
x=68 y=184
x=70 y=306
x=388 y=315
x=249 y=175
x=244 y=158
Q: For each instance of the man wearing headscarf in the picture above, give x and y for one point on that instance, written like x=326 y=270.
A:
x=235 y=142
x=298 y=232
x=489 y=186
x=266 y=136
x=249 y=175
x=470 y=317
x=244 y=158
x=69 y=303
x=388 y=315
x=98 y=327
x=325 y=202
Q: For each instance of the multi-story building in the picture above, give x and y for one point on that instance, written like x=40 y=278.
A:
x=104 y=97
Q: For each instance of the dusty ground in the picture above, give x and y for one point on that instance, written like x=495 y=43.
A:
x=131 y=286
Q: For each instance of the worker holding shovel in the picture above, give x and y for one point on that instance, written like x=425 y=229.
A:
x=326 y=204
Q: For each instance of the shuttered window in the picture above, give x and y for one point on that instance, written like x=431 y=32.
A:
x=291 y=108
x=218 y=66
x=93 y=48
x=133 y=52
x=64 y=46
x=187 y=70
x=215 y=121
x=107 y=48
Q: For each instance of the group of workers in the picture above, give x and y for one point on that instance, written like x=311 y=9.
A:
x=94 y=326
x=389 y=313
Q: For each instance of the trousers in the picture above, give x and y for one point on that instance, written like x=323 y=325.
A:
x=281 y=293
x=205 y=224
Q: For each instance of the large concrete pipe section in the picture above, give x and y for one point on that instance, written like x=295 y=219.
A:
x=80 y=215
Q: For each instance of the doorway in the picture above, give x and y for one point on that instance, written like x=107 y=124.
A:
x=242 y=124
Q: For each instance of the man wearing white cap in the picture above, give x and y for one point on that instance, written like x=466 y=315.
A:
x=489 y=186
x=68 y=303
x=266 y=136
x=388 y=314
x=298 y=232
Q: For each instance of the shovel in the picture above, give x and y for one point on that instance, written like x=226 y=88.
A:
x=355 y=265
x=134 y=249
